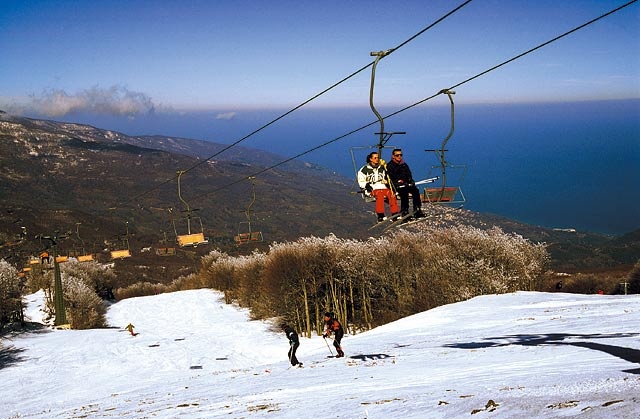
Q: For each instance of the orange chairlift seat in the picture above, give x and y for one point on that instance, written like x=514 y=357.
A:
x=190 y=238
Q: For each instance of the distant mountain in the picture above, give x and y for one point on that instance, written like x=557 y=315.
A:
x=98 y=184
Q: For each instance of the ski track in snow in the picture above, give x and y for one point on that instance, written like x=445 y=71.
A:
x=519 y=355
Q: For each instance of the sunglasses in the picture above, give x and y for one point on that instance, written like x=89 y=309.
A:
x=396 y=155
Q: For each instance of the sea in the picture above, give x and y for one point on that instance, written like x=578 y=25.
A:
x=559 y=165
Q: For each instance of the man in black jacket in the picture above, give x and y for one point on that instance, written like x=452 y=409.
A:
x=403 y=182
x=294 y=343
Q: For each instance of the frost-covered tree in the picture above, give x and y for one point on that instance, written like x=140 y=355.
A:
x=11 y=308
x=96 y=276
x=83 y=308
x=372 y=282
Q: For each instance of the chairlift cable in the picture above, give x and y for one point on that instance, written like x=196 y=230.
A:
x=544 y=44
x=426 y=99
x=273 y=121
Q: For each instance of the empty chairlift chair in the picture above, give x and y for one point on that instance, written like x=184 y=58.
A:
x=446 y=188
x=192 y=235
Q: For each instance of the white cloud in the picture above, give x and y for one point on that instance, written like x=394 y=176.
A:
x=226 y=116
x=115 y=100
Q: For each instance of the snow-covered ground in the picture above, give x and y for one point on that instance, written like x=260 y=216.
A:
x=520 y=355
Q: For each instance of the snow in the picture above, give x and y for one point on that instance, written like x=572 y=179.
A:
x=519 y=355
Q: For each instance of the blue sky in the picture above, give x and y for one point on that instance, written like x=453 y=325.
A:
x=128 y=57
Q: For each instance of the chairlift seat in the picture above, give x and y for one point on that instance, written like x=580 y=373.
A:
x=85 y=258
x=165 y=251
x=242 y=238
x=447 y=194
x=193 y=239
x=120 y=254
x=62 y=259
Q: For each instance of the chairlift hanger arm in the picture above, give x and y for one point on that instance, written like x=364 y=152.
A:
x=253 y=191
x=180 y=173
x=449 y=94
x=386 y=136
x=379 y=55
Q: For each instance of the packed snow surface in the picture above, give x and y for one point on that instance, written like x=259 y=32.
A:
x=519 y=355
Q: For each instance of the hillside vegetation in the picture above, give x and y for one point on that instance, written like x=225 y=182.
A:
x=90 y=190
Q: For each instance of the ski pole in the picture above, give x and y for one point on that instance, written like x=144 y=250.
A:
x=325 y=341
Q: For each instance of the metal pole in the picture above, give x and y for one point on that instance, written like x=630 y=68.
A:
x=58 y=298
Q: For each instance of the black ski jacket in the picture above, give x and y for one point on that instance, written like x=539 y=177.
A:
x=292 y=336
x=399 y=171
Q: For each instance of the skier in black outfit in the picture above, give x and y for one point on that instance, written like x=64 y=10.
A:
x=294 y=343
x=404 y=184
x=333 y=325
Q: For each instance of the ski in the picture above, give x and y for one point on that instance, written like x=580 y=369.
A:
x=400 y=221
x=429 y=180
x=406 y=223
x=386 y=221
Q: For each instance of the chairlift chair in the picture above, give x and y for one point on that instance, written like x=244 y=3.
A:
x=245 y=232
x=164 y=249
x=445 y=189
x=80 y=254
x=191 y=237
x=383 y=136
x=123 y=251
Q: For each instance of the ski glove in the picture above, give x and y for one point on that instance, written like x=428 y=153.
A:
x=368 y=187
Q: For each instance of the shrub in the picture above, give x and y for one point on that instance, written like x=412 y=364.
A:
x=83 y=308
x=139 y=289
x=11 y=306
x=367 y=283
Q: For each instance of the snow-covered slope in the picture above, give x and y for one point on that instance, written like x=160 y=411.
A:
x=519 y=355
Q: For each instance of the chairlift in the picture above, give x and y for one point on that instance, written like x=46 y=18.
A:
x=60 y=256
x=447 y=183
x=164 y=249
x=80 y=253
x=122 y=251
x=191 y=237
x=245 y=232
x=383 y=136
x=62 y=259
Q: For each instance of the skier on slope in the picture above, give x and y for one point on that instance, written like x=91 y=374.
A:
x=332 y=325
x=294 y=343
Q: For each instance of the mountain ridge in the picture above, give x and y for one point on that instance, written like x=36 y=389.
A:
x=66 y=176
